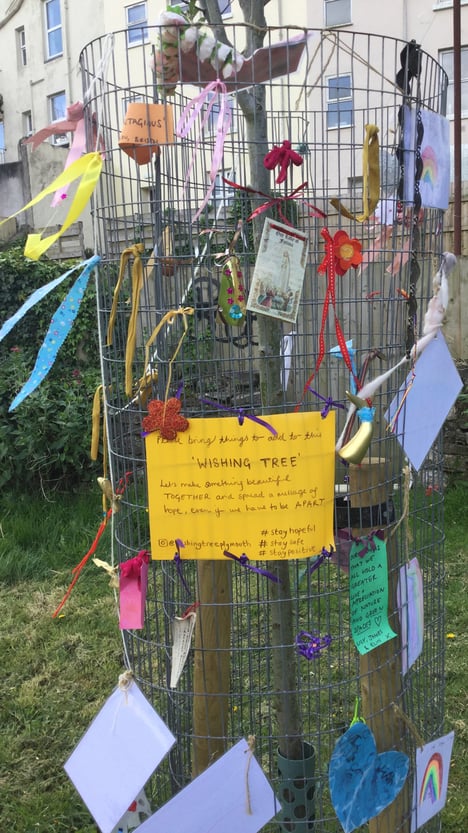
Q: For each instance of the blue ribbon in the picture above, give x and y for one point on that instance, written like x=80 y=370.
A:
x=60 y=325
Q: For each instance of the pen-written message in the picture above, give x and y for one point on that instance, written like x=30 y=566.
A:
x=221 y=485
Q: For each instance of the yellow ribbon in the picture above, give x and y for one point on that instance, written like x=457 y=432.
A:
x=168 y=319
x=370 y=177
x=137 y=284
x=87 y=169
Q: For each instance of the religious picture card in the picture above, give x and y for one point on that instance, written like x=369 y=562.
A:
x=279 y=272
x=125 y=743
x=431 y=780
x=232 y=796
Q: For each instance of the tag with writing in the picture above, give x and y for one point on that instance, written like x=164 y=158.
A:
x=368 y=593
x=182 y=630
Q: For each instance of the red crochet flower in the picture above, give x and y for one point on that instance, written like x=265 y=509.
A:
x=165 y=418
x=346 y=252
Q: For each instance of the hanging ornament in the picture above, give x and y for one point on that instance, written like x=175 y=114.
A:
x=231 y=299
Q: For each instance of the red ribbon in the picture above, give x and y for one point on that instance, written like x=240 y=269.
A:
x=132 y=567
x=276 y=201
x=328 y=265
x=282 y=157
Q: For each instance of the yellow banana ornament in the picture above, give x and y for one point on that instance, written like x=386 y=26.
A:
x=355 y=450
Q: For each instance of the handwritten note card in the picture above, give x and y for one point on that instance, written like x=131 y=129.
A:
x=368 y=589
x=221 y=485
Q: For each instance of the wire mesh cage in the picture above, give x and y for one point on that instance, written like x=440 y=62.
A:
x=244 y=674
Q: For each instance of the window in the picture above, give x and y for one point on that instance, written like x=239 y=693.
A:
x=212 y=124
x=223 y=194
x=137 y=20
x=446 y=59
x=21 y=47
x=2 y=143
x=57 y=110
x=27 y=123
x=53 y=24
x=337 y=12
x=340 y=102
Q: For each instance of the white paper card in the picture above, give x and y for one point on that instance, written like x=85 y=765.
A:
x=218 y=800
x=119 y=752
x=182 y=629
x=431 y=781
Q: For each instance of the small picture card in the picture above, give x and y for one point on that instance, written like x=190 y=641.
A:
x=434 y=184
x=125 y=743
x=431 y=780
x=279 y=272
x=232 y=795
x=411 y=611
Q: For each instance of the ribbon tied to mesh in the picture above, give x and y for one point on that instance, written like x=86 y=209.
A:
x=277 y=201
x=60 y=325
x=132 y=567
x=282 y=157
x=199 y=108
x=241 y=415
x=73 y=123
x=370 y=177
x=137 y=284
x=332 y=265
x=310 y=644
x=87 y=169
x=244 y=561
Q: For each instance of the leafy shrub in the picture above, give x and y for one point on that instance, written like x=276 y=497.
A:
x=45 y=441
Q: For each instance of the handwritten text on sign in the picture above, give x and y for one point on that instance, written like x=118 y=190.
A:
x=368 y=591
x=221 y=485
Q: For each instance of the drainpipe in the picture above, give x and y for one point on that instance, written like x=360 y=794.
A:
x=457 y=129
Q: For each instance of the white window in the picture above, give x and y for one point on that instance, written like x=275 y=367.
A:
x=53 y=27
x=446 y=59
x=21 y=47
x=57 y=111
x=340 y=101
x=214 y=113
x=27 y=123
x=223 y=194
x=337 y=12
x=137 y=24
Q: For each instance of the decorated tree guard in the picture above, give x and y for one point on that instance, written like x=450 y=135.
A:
x=304 y=246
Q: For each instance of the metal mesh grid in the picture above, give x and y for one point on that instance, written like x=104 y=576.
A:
x=151 y=205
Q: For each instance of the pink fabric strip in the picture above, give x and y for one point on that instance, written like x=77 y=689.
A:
x=201 y=106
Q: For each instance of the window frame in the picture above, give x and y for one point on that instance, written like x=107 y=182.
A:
x=48 y=30
x=339 y=100
x=22 y=51
x=140 y=27
x=28 y=129
x=464 y=80
x=58 y=139
x=327 y=6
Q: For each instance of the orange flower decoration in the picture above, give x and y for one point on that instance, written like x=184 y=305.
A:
x=347 y=252
x=165 y=418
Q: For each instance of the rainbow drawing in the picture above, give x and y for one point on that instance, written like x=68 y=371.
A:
x=431 y=784
x=430 y=166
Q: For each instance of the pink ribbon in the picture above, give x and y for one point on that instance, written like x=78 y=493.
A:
x=132 y=567
x=74 y=123
x=202 y=105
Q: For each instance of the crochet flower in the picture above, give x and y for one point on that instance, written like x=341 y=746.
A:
x=346 y=252
x=165 y=418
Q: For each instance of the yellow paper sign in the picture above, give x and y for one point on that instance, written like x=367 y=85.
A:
x=225 y=486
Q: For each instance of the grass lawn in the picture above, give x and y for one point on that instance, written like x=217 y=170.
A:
x=56 y=673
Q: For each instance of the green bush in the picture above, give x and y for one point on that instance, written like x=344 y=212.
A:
x=45 y=441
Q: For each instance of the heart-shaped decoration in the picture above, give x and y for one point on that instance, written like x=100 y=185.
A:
x=362 y=781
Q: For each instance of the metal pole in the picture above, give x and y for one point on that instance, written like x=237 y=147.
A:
x=457 y=129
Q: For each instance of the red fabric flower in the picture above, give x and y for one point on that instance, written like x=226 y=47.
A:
x=282 y=157
x=165 y=418
x=347 y=252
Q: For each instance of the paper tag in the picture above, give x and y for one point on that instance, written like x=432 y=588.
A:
x=368 y=591
x=279 y=272
x=182 y=629
x=410 y=597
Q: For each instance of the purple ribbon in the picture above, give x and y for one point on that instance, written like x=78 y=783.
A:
x=241 y=414
x=309 y=645
x=244 y=562
x=329 y=403
x=320 y=559
x=178 y=563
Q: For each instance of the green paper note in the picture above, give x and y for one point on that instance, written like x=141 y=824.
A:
x=368 y=592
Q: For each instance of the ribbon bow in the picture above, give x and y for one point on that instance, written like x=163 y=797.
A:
x=282 y=157
x=241 y=415
x=277 y=202
x=309 y=645
x=243 y=560
x=203 y=104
